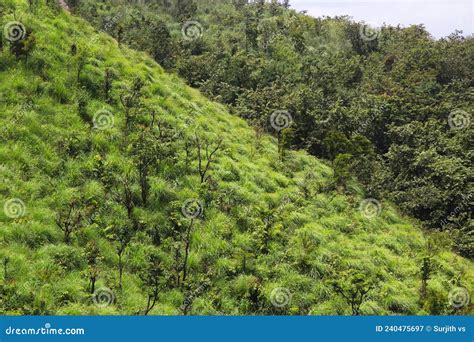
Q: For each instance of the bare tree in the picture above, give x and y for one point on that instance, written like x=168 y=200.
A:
x=151 y=278
x=121 y=234
x=151 y=149
x=69 y=219
x=182 y=231
x=206 y=154
x=108 y=80
x=125 y=194
x=187 y=247
x=131 y=100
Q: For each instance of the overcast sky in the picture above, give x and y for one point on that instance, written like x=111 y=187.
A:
x=440 y=17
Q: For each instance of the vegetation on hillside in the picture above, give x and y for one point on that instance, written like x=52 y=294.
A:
x=392 y=102
x=125 y=191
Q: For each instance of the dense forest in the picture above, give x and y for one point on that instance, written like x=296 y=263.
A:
x=390 y=105
x=232 y=157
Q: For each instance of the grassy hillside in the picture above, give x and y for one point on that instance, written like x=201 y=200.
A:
x=99 y=160
x=393 y=102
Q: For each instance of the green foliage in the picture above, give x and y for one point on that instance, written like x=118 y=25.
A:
x=385 y=100
x=342 y=168
x=354 y=287
x=104 y=200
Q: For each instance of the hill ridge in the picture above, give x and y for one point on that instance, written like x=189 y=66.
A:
x=105 y=205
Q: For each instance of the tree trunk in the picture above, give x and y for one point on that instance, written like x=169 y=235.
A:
x=186 y=255
x=120 y=271
x=144 y=185
x=93 y=280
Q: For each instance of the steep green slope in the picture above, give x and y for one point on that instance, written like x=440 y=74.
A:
x=82 y=118
x=394 y=98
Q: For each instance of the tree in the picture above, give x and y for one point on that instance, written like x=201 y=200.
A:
x=69 y=219
x=187 y=248
x=434 y=243
x=263 y=230
x=131 y=101
x=92 y=254
x=185 y=9
x=108 y=79
x=205 y=154
x=120 y=233
x=146 y=154
x=24 y=46
x=426 y=268
x=251 y=31
x=151 y=277
x=336 y=143
x=354 y=287
x=154 y=145
x=125 y=194
x=183 y=223
x=162 y=46
x=82 y=102
x=192 y=294
x=342 y=169
x=6 y=276
x=81 y=61
x=285 y=141
x=401 y=109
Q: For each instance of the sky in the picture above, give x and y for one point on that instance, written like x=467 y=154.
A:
x=440 y=17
